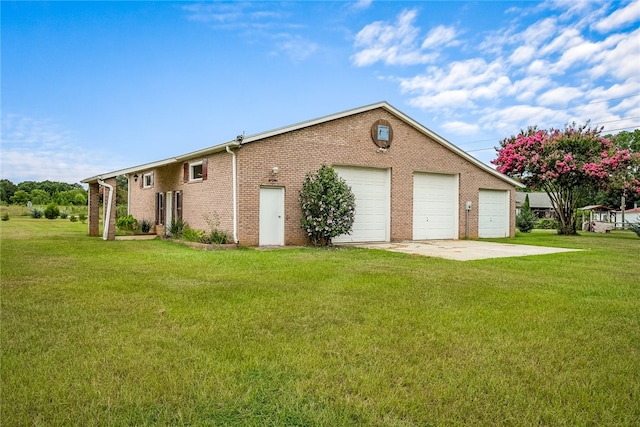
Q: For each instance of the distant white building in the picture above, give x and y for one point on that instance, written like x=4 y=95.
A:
x=631 y=215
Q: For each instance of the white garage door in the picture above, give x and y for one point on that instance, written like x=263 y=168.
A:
x=435 y=206
x=371 y=188
x=493 y=213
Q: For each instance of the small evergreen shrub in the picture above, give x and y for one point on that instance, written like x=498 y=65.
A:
x=51 y=211
x=635 y=227
x=526 y=219
x=82 y=217
x=36 y=213
x=145 y=226
x=73 y=218
x=64 y=214
x=5 y=216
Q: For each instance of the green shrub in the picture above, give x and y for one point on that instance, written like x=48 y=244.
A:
x=82 y=217
x=215 y=236
x=36 y=213
x=191 y=235
x=122 y=211
x=218 y=237
x=526 y=220
x=127 y=222
x=73 y=218
x=5 y=217
x=328 y=206
x=547 y=224
x=64 y=214
x=635 y=227
x=145 y=225
x=177 y=228
x=51 y=211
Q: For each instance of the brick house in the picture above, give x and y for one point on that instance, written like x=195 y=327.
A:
x=409 y=183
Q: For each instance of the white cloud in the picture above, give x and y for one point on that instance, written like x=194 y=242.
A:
x=439 y=36
x=522 y=55
x=361 y=4
x=527 y=88
x=460 y=128
x=560 y=96
x=620 y=17
x=38 y=149
x=621 y=59
x=392 y=44
x=546 y=72
x=297 y=48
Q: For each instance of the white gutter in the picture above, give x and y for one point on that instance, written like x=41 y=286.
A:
x=107 y=219
x=235 y=191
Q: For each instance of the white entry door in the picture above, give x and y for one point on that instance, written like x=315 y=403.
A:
x=435 y=206
x=271 y=216
x=493 y=213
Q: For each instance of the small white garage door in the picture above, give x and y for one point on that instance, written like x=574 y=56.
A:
x=371 y=188
x=435 y=206
x=493 y=213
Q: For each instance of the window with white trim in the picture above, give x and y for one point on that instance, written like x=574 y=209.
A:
x=195 y=171
x=147 y=180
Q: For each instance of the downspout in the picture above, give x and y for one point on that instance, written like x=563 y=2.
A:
x=107 y=219
x=235 y=191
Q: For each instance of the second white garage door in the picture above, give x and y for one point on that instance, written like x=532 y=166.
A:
x=493 y=213
x=371 y=188
x=435 y=206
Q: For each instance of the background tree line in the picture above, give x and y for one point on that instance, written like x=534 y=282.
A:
x=42 y=193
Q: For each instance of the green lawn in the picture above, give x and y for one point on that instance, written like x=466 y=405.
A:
x=157 y=333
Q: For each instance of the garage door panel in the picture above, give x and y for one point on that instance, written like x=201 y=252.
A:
x=371 y=188
x=435 y=206
x=493 y=213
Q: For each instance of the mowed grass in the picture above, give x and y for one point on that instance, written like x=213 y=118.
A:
x=157 y=333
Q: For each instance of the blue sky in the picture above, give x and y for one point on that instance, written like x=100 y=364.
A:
x=91 y=87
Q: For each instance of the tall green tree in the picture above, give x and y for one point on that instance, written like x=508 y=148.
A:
x=7 y=190
x=39 y=197
x=328 y=206
x=567 y=164
x=20 y=197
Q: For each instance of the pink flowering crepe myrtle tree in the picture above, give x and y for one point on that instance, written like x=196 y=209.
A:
x=566 y=164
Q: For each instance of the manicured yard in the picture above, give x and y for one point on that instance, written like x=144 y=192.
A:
x=152 y=332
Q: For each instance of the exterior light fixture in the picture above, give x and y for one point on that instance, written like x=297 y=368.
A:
x=135 y=177
x=274 y=174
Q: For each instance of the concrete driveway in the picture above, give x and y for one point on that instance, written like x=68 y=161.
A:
x=463 y=250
